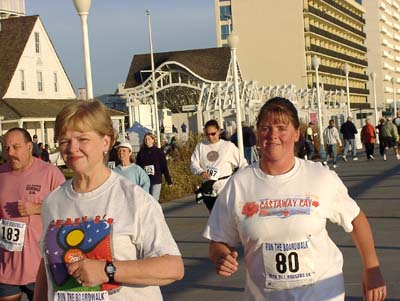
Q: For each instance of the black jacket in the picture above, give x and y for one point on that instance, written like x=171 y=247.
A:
x=156 y=157
x=348 y=129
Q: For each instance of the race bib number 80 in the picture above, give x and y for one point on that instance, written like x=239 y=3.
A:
x=288 y=265
x=12 y=235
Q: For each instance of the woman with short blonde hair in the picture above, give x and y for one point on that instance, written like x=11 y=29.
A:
x=104 y=235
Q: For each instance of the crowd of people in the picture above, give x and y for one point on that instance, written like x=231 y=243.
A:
x=102 y=233
x=40 y=150
x=387 y=132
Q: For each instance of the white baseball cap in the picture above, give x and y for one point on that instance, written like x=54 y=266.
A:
x=124 y=144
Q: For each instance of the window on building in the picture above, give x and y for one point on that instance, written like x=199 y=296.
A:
x=39 y=76
x=37 y=42
x=55 y=81
x=22 y=76
x=224 y=32
x=225 y=13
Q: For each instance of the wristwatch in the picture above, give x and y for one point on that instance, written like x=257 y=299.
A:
x=110 y=270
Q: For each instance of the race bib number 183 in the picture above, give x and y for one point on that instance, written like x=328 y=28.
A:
x=12 y=235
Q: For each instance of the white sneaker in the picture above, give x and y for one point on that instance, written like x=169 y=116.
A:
x=344 y=159
x=334 y=166
x=324 y=163
x=384 y=157
x=371 y=157
x=355 y=159
x=398 y=156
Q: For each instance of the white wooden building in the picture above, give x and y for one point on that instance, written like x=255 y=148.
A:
x=34 y=86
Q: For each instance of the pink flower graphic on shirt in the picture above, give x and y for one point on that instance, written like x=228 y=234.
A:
x=250 y=208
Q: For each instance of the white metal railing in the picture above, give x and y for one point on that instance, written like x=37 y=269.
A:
x=217 y=98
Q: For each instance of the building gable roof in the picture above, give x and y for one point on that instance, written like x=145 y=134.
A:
x=34 y=108
x=14 y=35
x=17 y=108
x=210 y=63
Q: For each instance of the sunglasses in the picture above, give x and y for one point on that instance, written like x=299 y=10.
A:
x=211 y=134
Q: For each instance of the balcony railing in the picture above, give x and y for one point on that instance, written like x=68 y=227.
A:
x=345 y=10
x=335 y=21
x=338 y=55
x=336 y=38
x=328 y=87
x=338 y=71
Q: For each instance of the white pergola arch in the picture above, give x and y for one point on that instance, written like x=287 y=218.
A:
x=215 y=99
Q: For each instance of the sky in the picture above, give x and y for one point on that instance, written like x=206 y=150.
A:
x=118 y=30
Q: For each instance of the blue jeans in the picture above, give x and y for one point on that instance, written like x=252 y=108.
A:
x=331 y=150
x=248 y=154
x=347 y=143
x=7 y=290
x=310 y=149
x=155 y=191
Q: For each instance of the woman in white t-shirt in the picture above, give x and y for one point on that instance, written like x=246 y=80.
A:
x=277 y=209
x=104 y=237
x=214 y=160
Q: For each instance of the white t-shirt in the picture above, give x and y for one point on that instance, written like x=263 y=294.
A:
x=118 y=221
x=217 y=159
x=281 y=222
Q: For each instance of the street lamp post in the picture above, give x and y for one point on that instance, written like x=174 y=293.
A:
x=346 y=69
x=153 y=82
x=233 y=41
x=373 y=77
x=83 y=7
x=315 y=60
x=393 y=80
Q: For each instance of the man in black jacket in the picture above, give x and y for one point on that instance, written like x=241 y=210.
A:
x=349 y=131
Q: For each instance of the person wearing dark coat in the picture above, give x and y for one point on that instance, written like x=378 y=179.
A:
x=44 y=155
x=249 y=141
x=348 y=130
x=35 y=148
x=152 y=159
